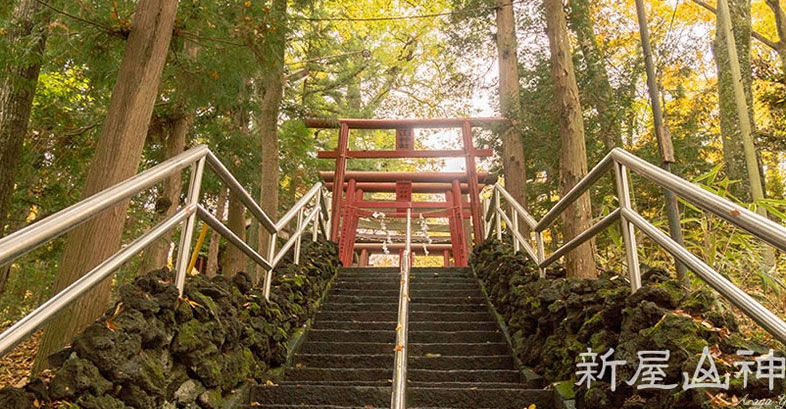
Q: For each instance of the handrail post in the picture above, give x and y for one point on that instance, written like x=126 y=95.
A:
x=516 y=244
x=315 y=227
x=187 y=233
x=541 y=252
x=271 y=254
x=399 y=390
x=299 y=238
x=485 y=204
x=628 y=232
x=329 y=217
x=496 y=215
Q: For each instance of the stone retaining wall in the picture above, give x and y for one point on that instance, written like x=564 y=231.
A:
x=153 y=350
x=551 y=321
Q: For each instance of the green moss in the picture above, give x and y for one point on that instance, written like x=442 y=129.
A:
x=675 y=290
x=189 y=337
x=565 y=389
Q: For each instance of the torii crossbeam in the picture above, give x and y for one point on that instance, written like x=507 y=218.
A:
x=349 y=187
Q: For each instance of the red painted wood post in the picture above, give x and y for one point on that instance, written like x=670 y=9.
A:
x=352 y=224
x=341 y=167
x=348 y=210
x=363 y=258
x=461 y=235
x=472 y=181
x=445 y=258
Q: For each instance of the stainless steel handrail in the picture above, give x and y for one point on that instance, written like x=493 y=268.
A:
x=621 y=162
x=399 y=391
x=27 y=239
x=38 y=317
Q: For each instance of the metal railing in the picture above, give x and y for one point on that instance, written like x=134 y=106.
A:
x=622 y=162
x=29 y=238
x=399 y=393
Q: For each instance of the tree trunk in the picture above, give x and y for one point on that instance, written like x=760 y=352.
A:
x=234 y=259
x=117 y=157
x=215 y=238
x=580 y=262
x=665 y=146
x=155 y=256
x=744 y=111
x=16 y=100
x=731 y=133
x=601 y=97
x=271 y=87
x=780 y=26
x=513 y=159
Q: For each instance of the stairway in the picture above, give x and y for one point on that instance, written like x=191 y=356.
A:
x=458 y=357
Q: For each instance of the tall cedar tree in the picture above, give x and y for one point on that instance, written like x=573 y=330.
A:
x=234 y=259
x=117 y=157
x=573 y=153
x=513 y=159
x=271 y=89
x=731 y=135
x=215 y=238
x=602 y=96
x=17 y=89
x=176 y=129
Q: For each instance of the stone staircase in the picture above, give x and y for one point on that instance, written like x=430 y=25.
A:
x=458 y=356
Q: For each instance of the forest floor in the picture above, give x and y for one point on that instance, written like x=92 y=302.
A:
x=15 y=367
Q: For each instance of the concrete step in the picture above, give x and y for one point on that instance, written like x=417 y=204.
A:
x=414 y=375
x=415 y=270
x=393 y=299
x=358 y=316
x=376 y=396
x=413 y=325
x=441 y=362
x=271 y=406
x=413 y=292
x=414 y=307
x=425 y=337
x=388 y=382
x=514 y=398
x=478 y=349
x=297 y=395
x=313 y=407
x=420 y=284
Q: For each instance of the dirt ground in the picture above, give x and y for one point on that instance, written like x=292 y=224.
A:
x=15 y=367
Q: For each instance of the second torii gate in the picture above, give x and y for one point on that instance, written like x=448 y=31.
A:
x=348 y=187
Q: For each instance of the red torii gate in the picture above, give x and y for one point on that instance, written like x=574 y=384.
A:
x=348 y=187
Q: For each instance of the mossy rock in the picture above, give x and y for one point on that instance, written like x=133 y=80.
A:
x=75 y=377
x=13 y=398
x=100 y=402
x=699 y=301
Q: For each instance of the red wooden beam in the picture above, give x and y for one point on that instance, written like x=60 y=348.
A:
x=397 y=246
x=402 y=215
x=415 y=177
x=403 y=123
x=390 y=187
x=367 y=154
x=389 y=204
